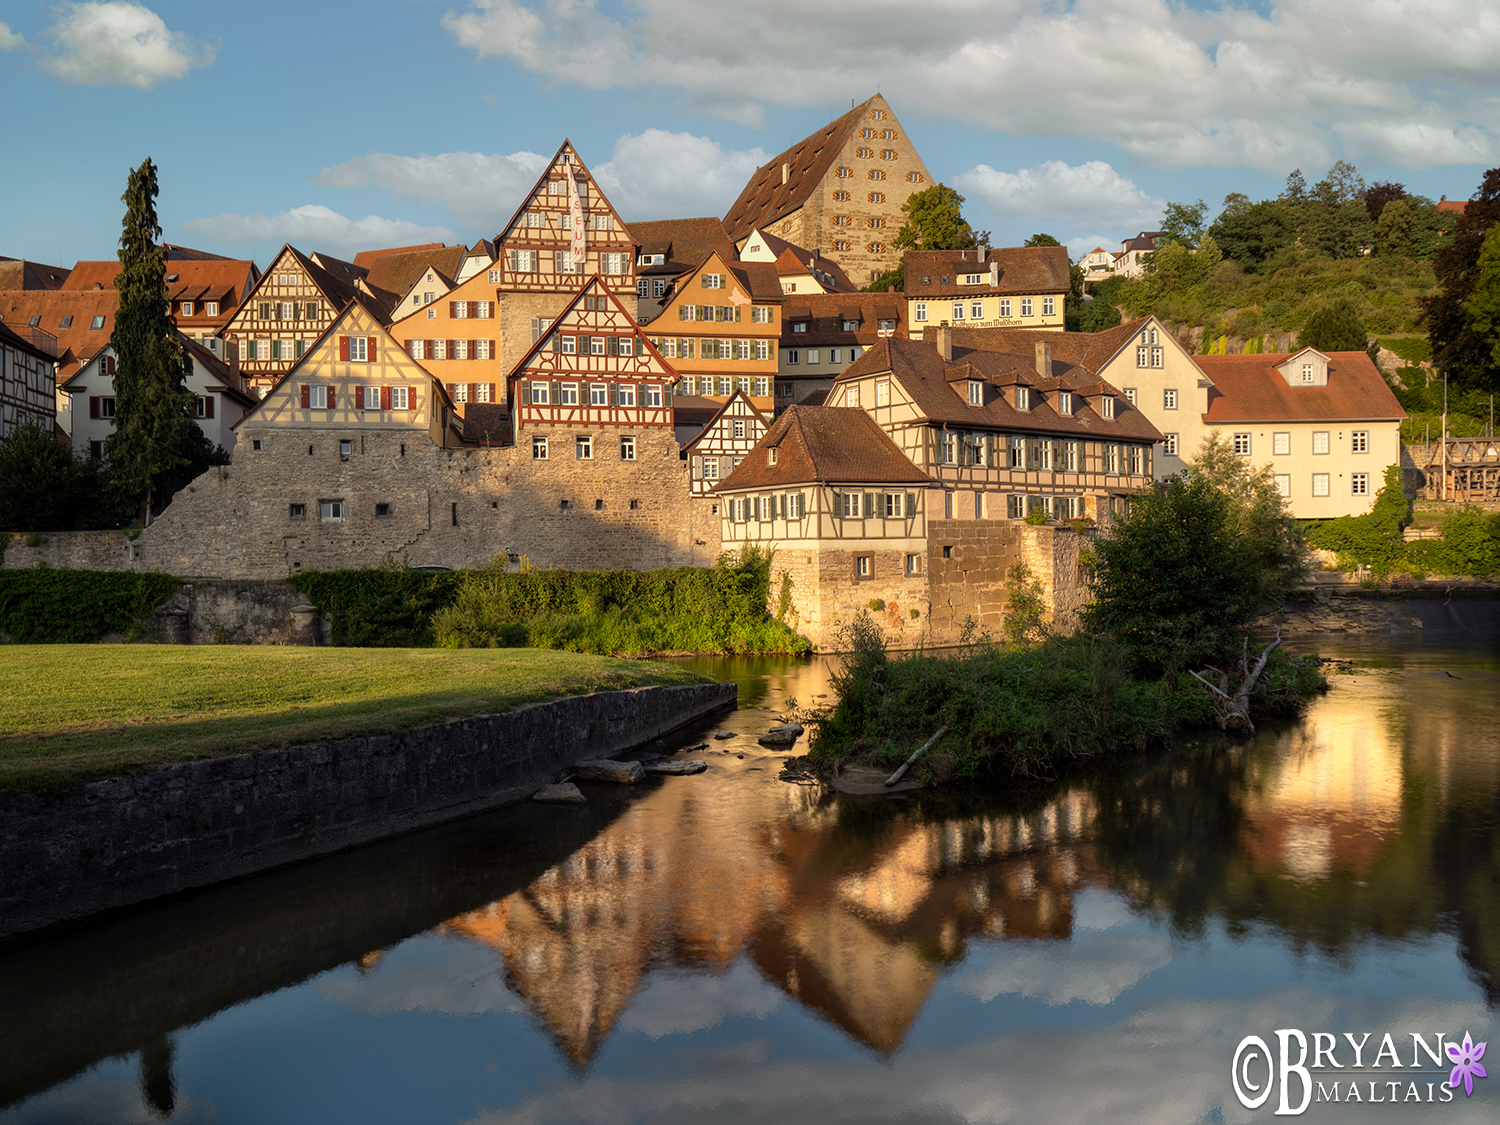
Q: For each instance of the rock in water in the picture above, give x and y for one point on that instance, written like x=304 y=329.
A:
x=606 y=769
x=565 y=794
x=783 y=734
x=677 y=768
x=723 y=734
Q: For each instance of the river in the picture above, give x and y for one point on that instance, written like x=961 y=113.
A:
x=735 y=947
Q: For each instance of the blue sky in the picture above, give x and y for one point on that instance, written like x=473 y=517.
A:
x=340 y=126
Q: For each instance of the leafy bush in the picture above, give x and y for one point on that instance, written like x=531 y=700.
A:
x=1470 y=545
x=45 y=605
x=390 y=606
x=1374 y=539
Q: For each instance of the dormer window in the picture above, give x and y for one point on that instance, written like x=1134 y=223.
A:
x=771 y=455
x=1107 y=407
x=851 y=326
x=1023 y=398
x=976 y=393
x=1307 y=373
x=799 y=326
x=974 y=278
x=1065 y=402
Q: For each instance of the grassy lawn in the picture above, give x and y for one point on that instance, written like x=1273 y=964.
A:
x=75 y=713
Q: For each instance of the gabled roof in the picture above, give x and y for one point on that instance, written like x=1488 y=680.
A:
x=14 y=340
x=594 y=285
x=768 y=196
x=926 y=378
x=188 y=254
x=685 y=242
x=577 y=162
x=366 y=258
x=825 y=314
x=196 y=279
x=234 y=383
x=1248 y=388
x=826 y=445
x=1022 y=269
x=17 y=273
x=396 y=271
x=738 y=396
x=759 y=279
x=1089 y=350
x=336 y=279
x=77 y=343
x=793 y=259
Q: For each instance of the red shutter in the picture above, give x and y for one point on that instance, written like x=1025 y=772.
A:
x=428 y=348
x=385 y=398
x=411 y=398
x=109 y=361
x=371 y=346
x=473 y=392
x=452 y=391
x=93 y=406
x=452 y=309
x=332 y=395
x=493 y=353
x=359 y=397
x=492 y=392
x=307 y=391
x=343 y=351
x=473 y=310
x=452 y=349
x=208 y=406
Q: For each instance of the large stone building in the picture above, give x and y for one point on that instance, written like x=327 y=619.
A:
x=838 y=192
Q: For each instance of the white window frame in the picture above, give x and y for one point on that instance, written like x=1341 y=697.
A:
x=539 y=449
x=1241 y=443
x=583 y=447
x=1359 y=484
x=1359 y=441
x=1320 y=438
x=1320 y=484
x=1169 y=399
x=1281 y=443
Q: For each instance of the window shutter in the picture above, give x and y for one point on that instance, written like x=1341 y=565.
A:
x=737 y=312
x=493 y=353
x=556 y=393
x=307 y=391
x=612 y=346
x=371 y=346
x=869 y=511
x=93 y=406
x=492 y=393
x=640 y=395
x=614 y=394
x=473 y=310
x=208 y=406
x=411 y=398
x=359 y=397
x=698 y=467
x=385 y=398
x=452 y=309
x=911 y=505
x=332 y=396
x=556 y=343
x=781 y=506
x=111 y=364
x=584 y=345
x=452 y=391
x=801 y=505
x=343 y=350
x=473 y=392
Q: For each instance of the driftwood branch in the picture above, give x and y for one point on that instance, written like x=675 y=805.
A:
x=1233 y=711
x=917 y=753
x=1210 y=686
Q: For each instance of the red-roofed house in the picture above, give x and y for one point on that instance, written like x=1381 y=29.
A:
x=1015 y=287
x=203 y=291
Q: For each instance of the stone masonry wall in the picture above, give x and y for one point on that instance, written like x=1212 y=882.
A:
x=134 y=838
x=970 y=582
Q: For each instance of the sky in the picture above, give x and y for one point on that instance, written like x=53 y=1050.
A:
x=341 y=127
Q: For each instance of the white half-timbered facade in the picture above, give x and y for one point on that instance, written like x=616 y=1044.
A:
x=26 y=382
x=721 y=445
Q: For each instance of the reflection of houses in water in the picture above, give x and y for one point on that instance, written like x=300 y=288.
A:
x=692 y=876
x=1328 y=796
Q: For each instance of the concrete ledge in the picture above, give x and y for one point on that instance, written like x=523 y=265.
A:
x=133 y=838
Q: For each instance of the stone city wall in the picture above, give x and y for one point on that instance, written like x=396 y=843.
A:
x=134 y=838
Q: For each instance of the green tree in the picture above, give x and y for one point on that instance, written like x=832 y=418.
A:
x=1380 y=193
x=935 y=221
x=40 y=488
x=1041 y=240
x=1483 y=303
x=1296 y=187
x=156 y=447
x=1335 y=327
x=1252 y=234
x=1393 y=229
x=1183 y=222
x=1457 y=348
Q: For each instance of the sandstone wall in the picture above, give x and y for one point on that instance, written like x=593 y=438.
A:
x=137 y=837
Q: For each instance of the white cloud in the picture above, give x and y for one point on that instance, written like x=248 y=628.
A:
x=1295 y=82
x=649 y=175
x=120 y=44
x=458 y=977
x=1094 y=968
x=10 y=40
x=1092 y=193
x=315 y=227
x=680 y=1005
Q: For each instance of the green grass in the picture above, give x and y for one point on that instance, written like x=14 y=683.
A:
x=76 y=713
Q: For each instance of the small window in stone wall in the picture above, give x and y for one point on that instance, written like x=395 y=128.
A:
x=863 y=566
x=382 y=511
x=297 y=511
x=947 y=552
x=634 y=505
x=598 y=505
x=255 y=445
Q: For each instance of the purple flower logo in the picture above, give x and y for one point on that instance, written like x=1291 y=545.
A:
x=1467 y=1057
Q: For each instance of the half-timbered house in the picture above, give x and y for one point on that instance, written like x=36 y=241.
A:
x=823 y=333
x=717 y=450
x=292 y=305
x=26 y=388
x=719 y=327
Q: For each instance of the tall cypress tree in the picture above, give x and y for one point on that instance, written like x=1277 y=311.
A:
x=154 y=439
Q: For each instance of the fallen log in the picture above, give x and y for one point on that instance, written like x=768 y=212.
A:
x=917 y=753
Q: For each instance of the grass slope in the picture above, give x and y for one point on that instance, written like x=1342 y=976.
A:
x=75 y=713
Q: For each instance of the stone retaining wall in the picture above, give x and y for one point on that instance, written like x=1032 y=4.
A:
x=134 y=838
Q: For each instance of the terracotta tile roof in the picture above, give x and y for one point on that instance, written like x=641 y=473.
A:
x=339 y=282
x=685 y=242
x=77 y=343
x=766 y=198
x=1248 y=388
x=1023 y=269
x=1451 y=205
x=15 y=340
x=827 y=444
x=1089 y=350
x=924 y=375
x=694 y=410
x=188 y=254
x=17 y=273
x=760 y=278
x=793 y=259
x=825 y=314
x=366 y=259
x=396 y=271
x=815 y=398
x=197 y=279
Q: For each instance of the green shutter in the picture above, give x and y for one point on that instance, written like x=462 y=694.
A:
x=911 y=504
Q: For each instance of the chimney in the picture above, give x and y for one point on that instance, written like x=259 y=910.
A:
x=890 y=288
x=994 y=275
x=1044 y=359
x=232 y=354
x=786 y=172
x=945 y=343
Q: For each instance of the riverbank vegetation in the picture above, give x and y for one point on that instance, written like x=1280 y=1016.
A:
x=1178 y=582
x=719 y=609
x=80 y=712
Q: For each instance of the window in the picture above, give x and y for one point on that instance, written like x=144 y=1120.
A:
x=317 y=397
x=1320 y=484
x=1107 y=407
x=1065 y=402
x=1281 y=444
x=494 y=277
x=914 y=177
x=1005 y=307
x=1242 y=444
x=976 y=310
x=958 y=310
x=793 y=356
x=107 y=407
x=1137 y=458
x=1307 y=373
x=762 y=386
x=296 y=511
x=583 y=449
x=1359 y=484
x=772 y=455
x=876 y=174
x=1070 y=456
x=851 y=396
x=345 y=449
x=920 y=312
x=1130 y=395
x=96 y=323
x=568 y=395
x=1015 y=507
x=598 y=394
x=1359 y=441
x=1171 y=444
x=862 y=566
x=288 y=311
x=1025 y=306
x=569 y=345
x=1169 y=400
x=210 y=308
x=710 y=468
x=400 y=398
x=877 y=197
x=1156 y=357
x=1017 y=446
x=538 y=449
x=596 y=345
x=1049 y=306
x=913 y=563
x=849 y=505
x=432 y=314
x=888 y=154
x=331 y=509
x=1143 y=357
x=1283 y=484
x=1320 y=443
x=1023 y=398
x=760 y=314
x=894 y=506
x=358 y=351
x=653 y=395
x=187 y=310
x=627 y=394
